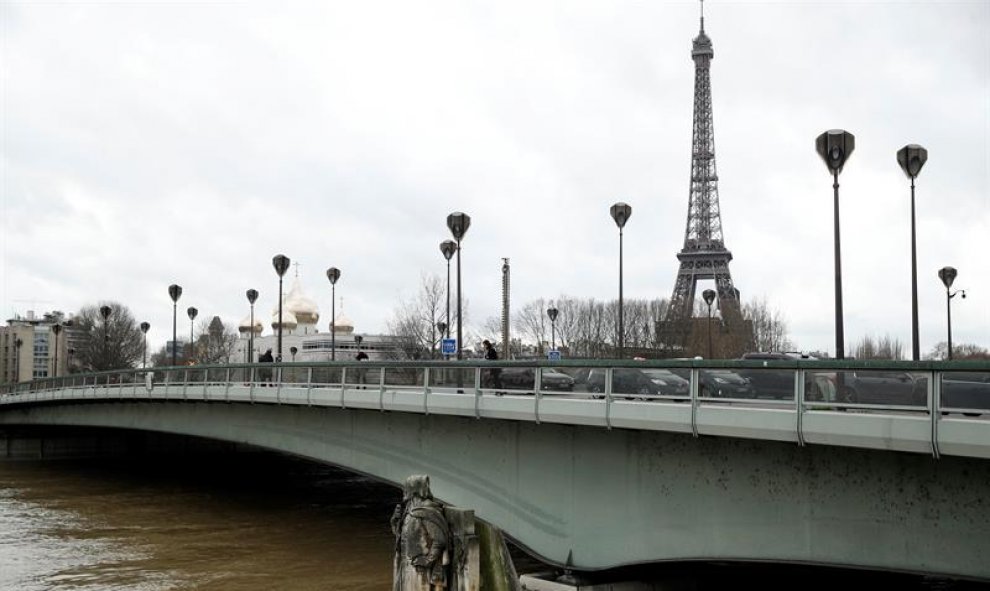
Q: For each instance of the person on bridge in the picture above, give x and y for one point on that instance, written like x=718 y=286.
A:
x=361 y=377
x=266 y=374
x=494 y=374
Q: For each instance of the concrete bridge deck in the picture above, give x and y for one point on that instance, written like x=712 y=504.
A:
x=611 y=478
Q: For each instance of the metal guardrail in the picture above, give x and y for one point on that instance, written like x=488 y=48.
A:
x=928 y=407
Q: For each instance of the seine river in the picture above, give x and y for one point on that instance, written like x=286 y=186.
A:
x=256 y=522
x=248 y=522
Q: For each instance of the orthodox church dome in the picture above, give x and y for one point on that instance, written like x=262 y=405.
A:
x=301 y=306
x=288 y=319
x=245 y=326
x=342 y=325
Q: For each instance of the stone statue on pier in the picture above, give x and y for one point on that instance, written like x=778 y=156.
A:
x=422 y=539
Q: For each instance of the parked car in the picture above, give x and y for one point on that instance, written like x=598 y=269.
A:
x=669 y=382
x=720 y=383
x=525 y=378
x=779 y=384
x=968 y=390
x=624 y=381
x=883 y=387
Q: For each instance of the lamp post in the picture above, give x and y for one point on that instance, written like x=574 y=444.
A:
x=192 y=312
x=144 y=352
x=620 y=213
x=17 y=358
x=333 y=274
x=458 y=223
x=552 y=314
x=357 y=341
x=293 y=350
x=105 y=312
x=448 y=248
x=948 y=275
x=709 y=295
x=174 y=292
x=252 y=297
x=835 y=146
x=911 y=158
x=56 y=328
x=281 y=264
x=441 y=327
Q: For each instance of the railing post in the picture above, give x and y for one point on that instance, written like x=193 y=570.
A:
x=309 y=386
x=251 y=377
x=799 y=389
x=343 y=386
x=226 y=388
x=537 y=383
x=935 y=407
x=426 y=390
x=477 y=391
x=185 y=384
x=608 y=398
x=381 y=389
x=278 y=388
x=695 y=387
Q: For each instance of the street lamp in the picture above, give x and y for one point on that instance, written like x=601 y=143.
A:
x=56 y=328
x=252 y=297
x=281 y=264
x=709 y=295
x=174 y=292
x=620 y=213
x=333 y=274
x=105 y=311
x=448 y=248
x=911 y=158
x=948 y=275
x=144 y=354
x=293 y=350
x=441 y=327
x=17 y=358
x=192 y=316
x=552 y=314
x=458 y=223
x=835 y=146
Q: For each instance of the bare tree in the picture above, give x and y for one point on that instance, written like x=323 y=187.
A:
x=884 y=347
x=113 y=343
x=216 y=342
x=959 y=351
x=414 y=322
x=769 y=329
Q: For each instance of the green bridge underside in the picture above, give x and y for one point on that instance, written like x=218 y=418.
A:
x=609 y=497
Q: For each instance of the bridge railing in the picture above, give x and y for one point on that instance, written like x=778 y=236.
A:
x=926 y=407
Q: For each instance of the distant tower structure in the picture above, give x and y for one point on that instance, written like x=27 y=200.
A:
x=704 y=255
x=506 y=348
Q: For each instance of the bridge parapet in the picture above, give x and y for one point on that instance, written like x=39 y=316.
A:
x=937 y=408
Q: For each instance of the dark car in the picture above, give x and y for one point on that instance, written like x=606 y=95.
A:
x=899 y=388
x=967 y=390
x=624 y=381
x=525 y=378
x=778 y=384
x=669 y=382
x=720 y=383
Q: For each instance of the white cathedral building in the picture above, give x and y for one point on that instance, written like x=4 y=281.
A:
x=301 y=334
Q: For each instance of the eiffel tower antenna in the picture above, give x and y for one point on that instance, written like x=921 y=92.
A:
x=704 y=256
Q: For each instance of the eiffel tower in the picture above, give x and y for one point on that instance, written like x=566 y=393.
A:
x=704 y=255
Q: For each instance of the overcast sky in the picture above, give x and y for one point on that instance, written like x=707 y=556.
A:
x=150 y=143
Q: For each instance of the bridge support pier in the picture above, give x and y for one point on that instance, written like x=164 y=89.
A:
x=440 y=548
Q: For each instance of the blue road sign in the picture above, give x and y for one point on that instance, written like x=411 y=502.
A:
x=448 y=346
x=553 y=355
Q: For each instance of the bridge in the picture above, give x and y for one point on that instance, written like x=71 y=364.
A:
x=882 y=466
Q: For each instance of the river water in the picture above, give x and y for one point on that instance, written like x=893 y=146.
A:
x=249 y=522
x=258 y=522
